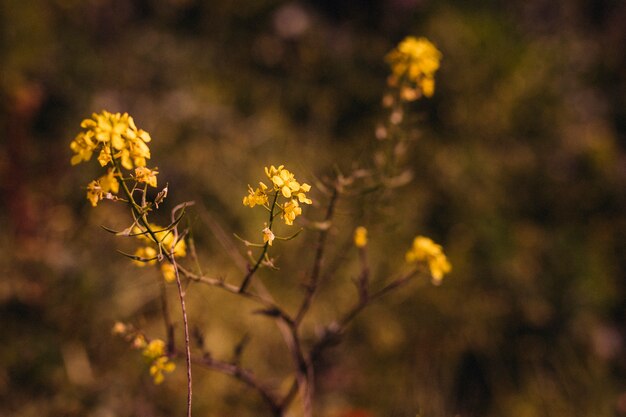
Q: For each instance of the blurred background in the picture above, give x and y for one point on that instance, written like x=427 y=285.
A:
x=519 y=165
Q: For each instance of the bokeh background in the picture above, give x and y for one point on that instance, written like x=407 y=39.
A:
x=519 y=171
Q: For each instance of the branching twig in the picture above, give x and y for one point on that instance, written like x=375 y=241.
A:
x=244 y=375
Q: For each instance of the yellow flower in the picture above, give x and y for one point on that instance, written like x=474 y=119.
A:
x=360 y=237
x=268 y=236
x=168 y=271
x=112 y=131
x=254 y=197
x=83 y=146
x=109 y=183
x=425 y=250
x=285 y=181
x=154 y=349
x=159 y=366
x=291 y=210
x=94 y=192
x=105 y=157
x=415 y=61
x=166 y=237
x=154 y=353
x=143 y=174
x=145 y=252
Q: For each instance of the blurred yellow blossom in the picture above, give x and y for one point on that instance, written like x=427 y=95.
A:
x=425 y=250
x=159 y=366
x=165 y=237
x=145 y=252
x=168 y=271
x=109 y=183
x=360 y=237
x=143 y=174
x=154 y=349
x=154 y=353
x=94 y=192
x=414 y=63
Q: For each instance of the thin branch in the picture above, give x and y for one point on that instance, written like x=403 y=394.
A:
x=181 y=296
x=246 y=279
x=317 y=263
x=244 y=375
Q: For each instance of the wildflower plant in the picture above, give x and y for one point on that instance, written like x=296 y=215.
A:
x=122 y=151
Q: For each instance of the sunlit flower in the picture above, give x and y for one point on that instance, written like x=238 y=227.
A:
x=165 y=237
x=256 y=197
x=105 y=157
x=109 y=183
x=94 y=192
x=291 y=210
x=168 y=271
x=268 y=236
x=154 y=349
x=83 y=146
x=360 y=237
x=154 y=353
x=143 y=174
x=117 y=137
x=285 y=181
x=159 y=366
x=425 y=250
x=414 y=61
x=145 y=252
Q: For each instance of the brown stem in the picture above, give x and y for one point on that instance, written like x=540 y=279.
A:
x=317 y=263
x=246 y=376
x=181 y=296
x=246 y=279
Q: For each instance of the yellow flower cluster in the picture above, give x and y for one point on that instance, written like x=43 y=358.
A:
x=413 y=64
x=98 y=189
x=283 y=183
x=154 y=354
x=149 y=252
x=116 y=138
x=425 y=250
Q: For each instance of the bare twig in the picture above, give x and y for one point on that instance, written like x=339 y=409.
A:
x=244 y=375
x=317 y=262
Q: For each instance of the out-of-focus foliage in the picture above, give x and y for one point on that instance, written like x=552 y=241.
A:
x=519 y=165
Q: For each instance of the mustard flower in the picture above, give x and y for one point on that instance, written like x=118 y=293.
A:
x=154 y=349
x=168 y=271
x=146 y=175
x=414 y=60
x=154 y=353
x=165 y=237
x=268 y=236
x=109 y=182
x=159 y=366
x=256 y=197
x=360 y=237
x=117 y=137
x=285 y=181
x=145 y=252
x=83 y=146
x=425 y=250
x=291 y=210
x=94 y=192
